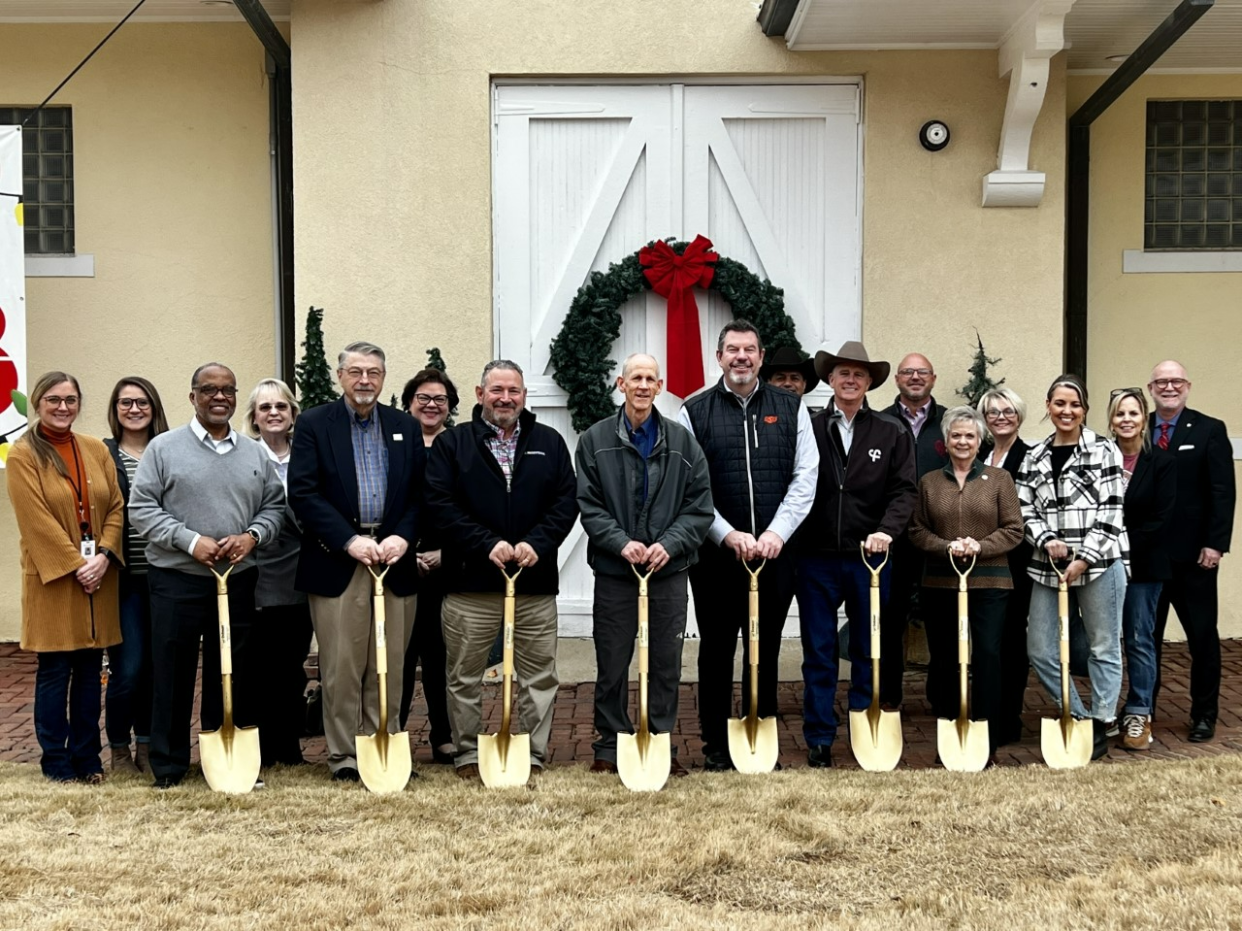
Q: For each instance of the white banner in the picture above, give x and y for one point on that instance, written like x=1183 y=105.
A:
x=12 y=292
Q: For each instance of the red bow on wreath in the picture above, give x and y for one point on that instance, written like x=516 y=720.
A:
x=675 y=276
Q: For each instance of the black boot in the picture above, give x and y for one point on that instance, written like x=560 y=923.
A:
x=1099 y=730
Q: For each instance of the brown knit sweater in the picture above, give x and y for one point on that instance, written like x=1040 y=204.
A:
x=986 y=509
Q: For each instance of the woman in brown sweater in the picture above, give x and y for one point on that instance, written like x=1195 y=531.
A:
x=967 y=509
x=70 y=515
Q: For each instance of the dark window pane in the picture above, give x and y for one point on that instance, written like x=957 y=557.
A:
x=1162 y=110
x=32 y=241
x=1218 y=210
x=53 y=166
x=1237 y=156
x=1194 y=110
x=1219 y=159
x=1237 y=210
x=1167 y=185
x=1166 y=210
x=1237 y=185
x=1191 y=237
x=1192 y=211
x=1237 y=234
x=30 y=190
x=55 y=216
x=1167 y=134
x=1216 y=236
x=1167 y=160
x=1217 y=185
x=1192 y=185
x=1193 y=159
x=1166 y=236
x=1194 y=134
x=53 y=141
x=1149 y=210
x=54 y=242
x=1220 y=133
x=54 y=116
x=47 y=166
x=52 y=191
x=1219 y=109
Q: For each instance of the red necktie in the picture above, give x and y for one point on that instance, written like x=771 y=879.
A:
x=1163 y=442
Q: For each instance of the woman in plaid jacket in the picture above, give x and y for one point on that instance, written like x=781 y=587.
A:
x=1072 y=496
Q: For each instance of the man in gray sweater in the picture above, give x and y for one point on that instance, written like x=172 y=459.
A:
x=203 y=496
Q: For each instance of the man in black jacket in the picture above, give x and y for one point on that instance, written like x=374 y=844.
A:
x=501 y=491
x=918 y=411
x=1197 y=535
x=355 y=484
x=646 y=503
x=763 y=464
x=866 y=494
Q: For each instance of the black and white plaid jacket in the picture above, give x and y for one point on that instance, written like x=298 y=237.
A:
x=1083 y=509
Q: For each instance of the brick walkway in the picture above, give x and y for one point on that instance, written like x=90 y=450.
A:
x=572 y=729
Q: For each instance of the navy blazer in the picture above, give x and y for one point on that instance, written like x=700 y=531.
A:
x=323 y=492
x=1149 y=505
x=1205 y=485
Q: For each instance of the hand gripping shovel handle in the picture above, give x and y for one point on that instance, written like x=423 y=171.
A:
x=226 y=645
x=875 y=623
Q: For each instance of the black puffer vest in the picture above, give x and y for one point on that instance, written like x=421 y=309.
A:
x=750 y=450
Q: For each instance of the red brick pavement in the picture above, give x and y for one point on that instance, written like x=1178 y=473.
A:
x=573 y=731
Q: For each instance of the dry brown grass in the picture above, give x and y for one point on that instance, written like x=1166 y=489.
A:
x=1153 y=846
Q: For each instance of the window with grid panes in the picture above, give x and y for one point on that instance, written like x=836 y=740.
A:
x=47 y=173
x=1194 y=175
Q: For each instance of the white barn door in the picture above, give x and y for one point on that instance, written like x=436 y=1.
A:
x=585 y=175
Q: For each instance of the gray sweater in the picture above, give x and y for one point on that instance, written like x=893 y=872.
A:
x=183 y=488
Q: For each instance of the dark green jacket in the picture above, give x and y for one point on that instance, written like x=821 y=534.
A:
x=678 y=511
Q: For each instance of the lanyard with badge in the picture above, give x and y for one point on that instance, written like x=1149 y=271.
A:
x=87 y=545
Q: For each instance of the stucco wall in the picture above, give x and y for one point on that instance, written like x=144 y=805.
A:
x=1137 y=320
x=173 y=198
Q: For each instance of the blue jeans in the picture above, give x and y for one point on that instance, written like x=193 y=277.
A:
x=68 y=681
x=1139 y=625
x=127 y=703
x=1100 y=601
x=824 y=582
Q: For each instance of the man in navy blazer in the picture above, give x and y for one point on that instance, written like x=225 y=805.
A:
x=1197 y=535
x=355 y=485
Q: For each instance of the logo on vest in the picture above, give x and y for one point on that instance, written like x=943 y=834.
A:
x=770 y=418
x=874 y=454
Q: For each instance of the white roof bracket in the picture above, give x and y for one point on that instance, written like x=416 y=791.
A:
x=1024 y=56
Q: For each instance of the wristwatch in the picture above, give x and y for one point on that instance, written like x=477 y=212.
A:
x=254 y=535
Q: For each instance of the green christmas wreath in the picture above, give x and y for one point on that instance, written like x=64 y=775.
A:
x=593 y=324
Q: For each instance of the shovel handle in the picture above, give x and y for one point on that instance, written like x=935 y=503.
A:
x=222 y=613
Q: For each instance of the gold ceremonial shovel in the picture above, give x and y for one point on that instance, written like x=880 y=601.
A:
x=1064 y=742
x=383 y=759
x=504 y=759
x=643 y=758
x=875 y=735
x=963 y=744
x=230 y=756
x=753 y=743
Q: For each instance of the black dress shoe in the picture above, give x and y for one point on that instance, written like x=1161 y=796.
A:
x=441 y=756
x=346 y=774
x=718 y=762
x=1202 y=730
x=819 y=757
x=1099 y=730
x=166 y=782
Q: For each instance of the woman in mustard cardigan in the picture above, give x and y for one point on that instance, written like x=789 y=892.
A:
x=70 y=515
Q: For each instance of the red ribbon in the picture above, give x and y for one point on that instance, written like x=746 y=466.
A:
x=675 y=276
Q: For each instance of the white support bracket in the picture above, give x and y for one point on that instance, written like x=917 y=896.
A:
x=1024 y=55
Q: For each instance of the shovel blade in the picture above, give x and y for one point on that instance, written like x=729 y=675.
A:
x=506 y=772
x=230 y=766
x=762 y=757
x=879 y=753
x=639 y=774
x=384 y=761
x=963 y=756
x=1069 y=749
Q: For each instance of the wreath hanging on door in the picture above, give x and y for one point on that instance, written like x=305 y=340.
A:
x=671 y=268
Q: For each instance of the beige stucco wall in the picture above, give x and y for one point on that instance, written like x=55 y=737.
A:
x=173 y=198
x=1138 y=319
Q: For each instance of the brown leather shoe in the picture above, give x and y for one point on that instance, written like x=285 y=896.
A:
x=142 y=757
x=122 y=762
x=676 y=770
x=469 y=772
x=603 y=766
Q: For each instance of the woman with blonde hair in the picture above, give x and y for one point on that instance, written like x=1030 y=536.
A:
x=283 y=621
x=70 y=515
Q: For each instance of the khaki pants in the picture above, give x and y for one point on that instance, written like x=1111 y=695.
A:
x=469 y=632
x=346 y=635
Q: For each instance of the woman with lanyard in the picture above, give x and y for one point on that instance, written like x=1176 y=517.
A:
x=1072 y=496
x=70 y=515
x=135 y=416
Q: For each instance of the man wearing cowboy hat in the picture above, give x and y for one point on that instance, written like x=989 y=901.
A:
x=865 y=494
x=790 y=369
x=763 y=465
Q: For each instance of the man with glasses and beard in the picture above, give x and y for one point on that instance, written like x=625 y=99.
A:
x=204 y=496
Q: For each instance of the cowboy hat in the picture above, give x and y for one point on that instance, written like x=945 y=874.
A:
x=788 y=359
x=854 y=352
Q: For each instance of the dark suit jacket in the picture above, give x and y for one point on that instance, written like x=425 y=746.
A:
x=1205 y=485
x=1150 y=498
x=929 y=450
x=323 y=492
x=1020 y=555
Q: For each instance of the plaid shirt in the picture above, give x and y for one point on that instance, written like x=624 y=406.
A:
x=505 y=451
x=1083 y=509
x=371 y=465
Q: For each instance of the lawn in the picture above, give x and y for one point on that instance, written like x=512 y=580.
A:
x=1153 y=846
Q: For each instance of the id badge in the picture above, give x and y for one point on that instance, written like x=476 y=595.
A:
x=87 y=547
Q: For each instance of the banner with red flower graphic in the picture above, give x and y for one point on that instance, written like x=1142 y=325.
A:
x=12 y=292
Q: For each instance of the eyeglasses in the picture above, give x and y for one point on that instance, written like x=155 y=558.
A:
x=210 y=391
x=907 y=373
x=371 y=374
x=1178 y=383
x=1007 y=413
x=1118 y=392
x=429 y=399
x=269 y=406
x=54 y=402
x=125 y=404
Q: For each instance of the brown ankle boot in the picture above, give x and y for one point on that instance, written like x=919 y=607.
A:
x=122 y=762
x=142 y=757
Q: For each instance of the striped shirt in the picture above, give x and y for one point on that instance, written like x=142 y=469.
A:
x=370 y=464
x=135 y=545
x=504 y=450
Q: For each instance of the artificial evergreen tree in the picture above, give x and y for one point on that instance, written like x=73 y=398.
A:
x=435 y=360
x=980 y=381
x=314 y=375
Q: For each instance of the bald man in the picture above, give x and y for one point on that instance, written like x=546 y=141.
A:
x=1197 y=535
x=644 y=492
